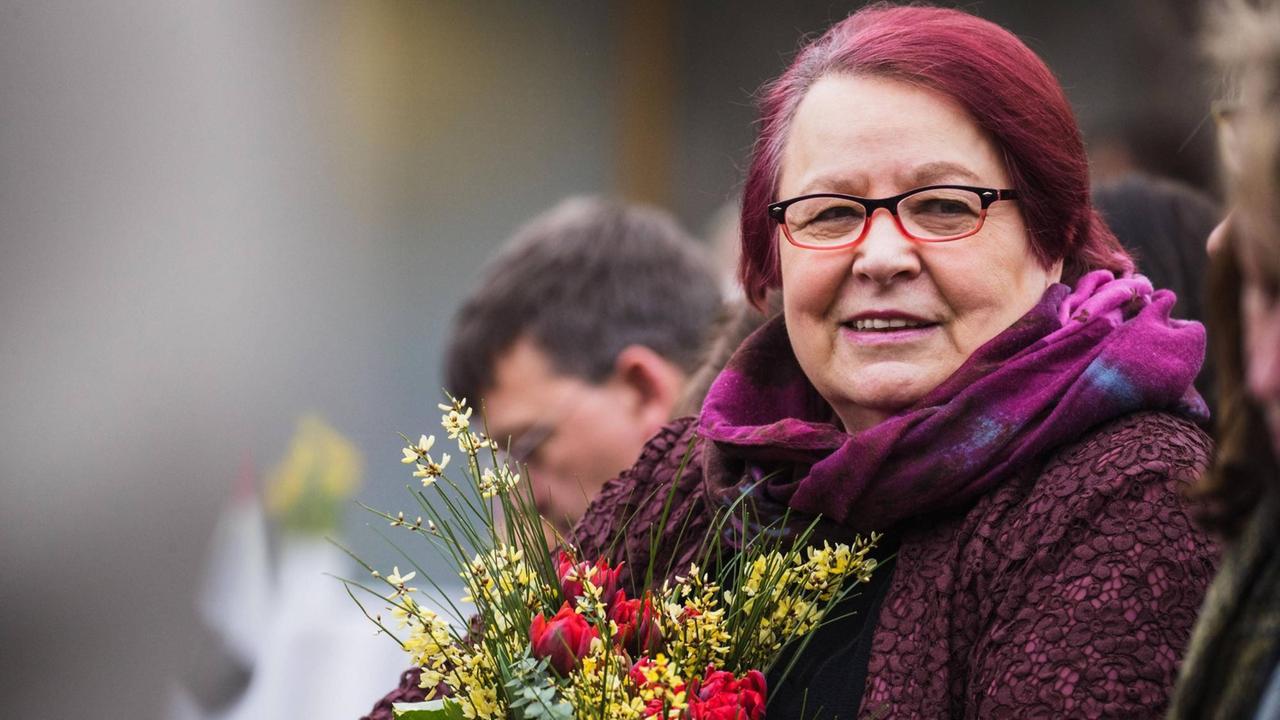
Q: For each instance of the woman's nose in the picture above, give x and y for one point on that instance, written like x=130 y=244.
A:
x=885 y=254
x=1218 y=237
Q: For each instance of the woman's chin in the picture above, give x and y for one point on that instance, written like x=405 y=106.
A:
x=892 y=385
x=878 y=395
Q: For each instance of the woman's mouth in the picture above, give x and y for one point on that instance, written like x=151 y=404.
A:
x=872 y=324
x=875 y=328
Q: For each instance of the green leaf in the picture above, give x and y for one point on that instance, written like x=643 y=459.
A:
x=441 y=709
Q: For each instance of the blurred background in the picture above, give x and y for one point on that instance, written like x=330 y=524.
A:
x=232 y=229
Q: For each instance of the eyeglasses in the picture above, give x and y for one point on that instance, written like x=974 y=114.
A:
x=529 y=442
x=525 y=446
x=935 y=213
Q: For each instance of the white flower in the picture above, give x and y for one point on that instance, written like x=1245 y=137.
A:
x=396 y=579
x=492 y=483
x=414 y=453
x=488 y=484
x=429 y=469
x=399 y=581
x=456 y=423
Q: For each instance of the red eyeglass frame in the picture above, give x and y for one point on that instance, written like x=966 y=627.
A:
x=778 y=212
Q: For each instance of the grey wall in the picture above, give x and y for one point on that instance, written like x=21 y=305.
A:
x=215 y=217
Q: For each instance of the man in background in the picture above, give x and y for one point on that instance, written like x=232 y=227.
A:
x=577 y=342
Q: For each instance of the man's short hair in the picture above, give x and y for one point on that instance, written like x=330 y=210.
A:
x=584 y=280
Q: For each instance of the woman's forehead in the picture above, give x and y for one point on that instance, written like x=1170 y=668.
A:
x=851 y=133
x=1256 y=221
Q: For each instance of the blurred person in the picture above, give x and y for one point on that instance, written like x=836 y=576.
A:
x=578 y=340
x=1231 y=667
x=965 y=362
x=233 y=605
x=1164 y=224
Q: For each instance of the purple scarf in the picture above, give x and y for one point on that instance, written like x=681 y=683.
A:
x=1077 y=359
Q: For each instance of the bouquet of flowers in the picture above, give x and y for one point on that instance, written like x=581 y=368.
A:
x=552 y=634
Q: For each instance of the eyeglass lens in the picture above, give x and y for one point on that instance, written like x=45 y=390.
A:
x=928 y=215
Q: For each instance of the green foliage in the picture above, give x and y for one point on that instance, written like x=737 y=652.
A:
x=534 y=696
x=442 y=709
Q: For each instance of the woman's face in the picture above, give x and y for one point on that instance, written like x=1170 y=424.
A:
x=875 y=137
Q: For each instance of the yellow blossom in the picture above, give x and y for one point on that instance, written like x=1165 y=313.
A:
x=484 y=703
x=306 y=490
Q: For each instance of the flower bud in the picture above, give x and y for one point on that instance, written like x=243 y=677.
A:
x=718 y=696
x=638 y=630
x=564 y=638
x=572 y=574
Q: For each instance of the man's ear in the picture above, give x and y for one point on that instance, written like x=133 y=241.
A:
x=654 y=383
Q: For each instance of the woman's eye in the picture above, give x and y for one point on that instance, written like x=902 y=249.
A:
x=945 y=207
x=1270 y=290
x=837 y=213
x=1264 y=286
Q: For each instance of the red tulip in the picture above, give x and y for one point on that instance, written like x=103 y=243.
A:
x=564 y=638
x=637 y=621
x=571 y=574
x=720 y=697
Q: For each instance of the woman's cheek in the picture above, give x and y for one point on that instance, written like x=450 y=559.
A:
x=1262 y=334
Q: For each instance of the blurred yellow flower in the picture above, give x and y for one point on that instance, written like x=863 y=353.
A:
x=307 y=489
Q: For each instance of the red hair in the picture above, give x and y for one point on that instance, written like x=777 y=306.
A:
x=1006 y=89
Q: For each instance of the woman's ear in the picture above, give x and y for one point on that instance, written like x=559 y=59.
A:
x=653 y=382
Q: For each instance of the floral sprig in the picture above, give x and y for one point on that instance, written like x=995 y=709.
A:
x=555 y=636
x=427 y=469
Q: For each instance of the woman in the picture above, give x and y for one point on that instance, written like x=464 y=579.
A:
x=1231 y=666
x=960 y=363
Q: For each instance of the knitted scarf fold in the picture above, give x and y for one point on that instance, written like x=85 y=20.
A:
x=1077 y=359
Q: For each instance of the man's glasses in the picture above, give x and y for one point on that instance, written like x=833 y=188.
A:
x=528 y=443
x=936 y=213
x=524 y=447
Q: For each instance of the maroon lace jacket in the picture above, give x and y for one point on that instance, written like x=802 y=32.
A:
x=1070 y=591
